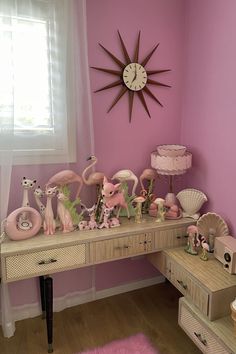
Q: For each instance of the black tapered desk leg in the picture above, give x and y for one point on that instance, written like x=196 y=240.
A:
x=42 y=296
x=49 y=311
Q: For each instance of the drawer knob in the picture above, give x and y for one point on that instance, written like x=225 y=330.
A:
x=47 y=261
x=184 y=286
x=199 y=336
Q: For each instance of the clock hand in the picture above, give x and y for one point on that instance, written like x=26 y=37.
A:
x=135 y=74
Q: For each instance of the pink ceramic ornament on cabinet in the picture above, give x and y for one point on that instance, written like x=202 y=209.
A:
x=64 y=178
x=16 y=229
x=64 y=214
x=113 y=197
x=49 y=224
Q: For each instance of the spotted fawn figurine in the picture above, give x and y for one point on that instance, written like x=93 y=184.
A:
x=49 y=224
x=106 y=214
x=92 y=224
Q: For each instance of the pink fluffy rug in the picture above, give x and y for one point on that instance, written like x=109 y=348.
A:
x=137 y=344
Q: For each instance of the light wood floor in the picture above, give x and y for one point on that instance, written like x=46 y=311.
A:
x=152 y=311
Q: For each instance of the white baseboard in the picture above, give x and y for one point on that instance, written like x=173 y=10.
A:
x=77 y=298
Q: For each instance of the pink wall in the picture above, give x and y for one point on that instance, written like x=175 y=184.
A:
x=209 y=104
x=118 y=144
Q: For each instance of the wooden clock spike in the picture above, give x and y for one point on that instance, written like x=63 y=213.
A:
x=127 y=58
x=131 y=100
x=152 y=72
x=149 y=93
x=109 y=71
x=113 y=84
x=121 y=93
x=136 y=53
x=116 y=60
x=142 y=99
x=157 y=83
x=144 y=62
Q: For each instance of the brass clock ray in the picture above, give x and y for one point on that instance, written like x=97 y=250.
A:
x=133 y=77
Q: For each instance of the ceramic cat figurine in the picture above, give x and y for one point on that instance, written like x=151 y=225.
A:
x=49 y=224
x=64 y=214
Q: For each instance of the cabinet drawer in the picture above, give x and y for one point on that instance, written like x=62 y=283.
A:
x=199 y=334
x=44 y=262
x=170 y=238
x=121 y=247
x=188 y=286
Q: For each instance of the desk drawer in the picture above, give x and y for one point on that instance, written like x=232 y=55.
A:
x=198 y=332
x=170 y=238
x=121 y=247
x=187 y=285
x=44 y=262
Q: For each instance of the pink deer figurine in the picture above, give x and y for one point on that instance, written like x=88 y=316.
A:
x=92 y=224
x=113 y=197
x=49 y=224
x=64 y=214
x=106 y=213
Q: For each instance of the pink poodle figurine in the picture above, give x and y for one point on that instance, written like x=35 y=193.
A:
x=113 y=197
x=49 y=224
x=64 y=214
x=193 y=240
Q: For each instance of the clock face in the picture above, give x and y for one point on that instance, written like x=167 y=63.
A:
x=135 y=76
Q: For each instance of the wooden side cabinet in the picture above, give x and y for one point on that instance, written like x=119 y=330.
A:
x=204 y=283
x=211 y=337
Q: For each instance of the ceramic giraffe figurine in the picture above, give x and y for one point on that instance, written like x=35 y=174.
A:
x=38 y=194
x=49 y=224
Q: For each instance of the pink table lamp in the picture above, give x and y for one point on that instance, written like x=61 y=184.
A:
x=171 y=160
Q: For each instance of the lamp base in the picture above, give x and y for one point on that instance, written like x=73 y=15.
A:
x=170 y=199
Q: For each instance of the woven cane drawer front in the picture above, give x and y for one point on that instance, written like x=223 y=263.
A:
x=170 y=238
x=199 y=334
x=121 y=247
x=44 y=262
x=188 y=286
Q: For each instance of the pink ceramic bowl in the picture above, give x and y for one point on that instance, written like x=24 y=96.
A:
x=171 y=150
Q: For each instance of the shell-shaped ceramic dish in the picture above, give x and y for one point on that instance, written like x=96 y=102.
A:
x=171 y=150
x=212 y=221
x=191 y=200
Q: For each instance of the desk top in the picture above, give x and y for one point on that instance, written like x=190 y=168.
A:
x=127 y=227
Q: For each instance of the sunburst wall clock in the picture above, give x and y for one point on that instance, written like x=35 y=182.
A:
x=133 y=77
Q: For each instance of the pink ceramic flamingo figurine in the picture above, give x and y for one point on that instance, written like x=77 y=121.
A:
x=147 y=174
x=49 y=224
x=113 y=197
x=126 y=175
x=95 y=178
x=64 y=214
x=65 y=177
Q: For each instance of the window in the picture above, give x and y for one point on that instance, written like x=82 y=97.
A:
x=33 y=86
